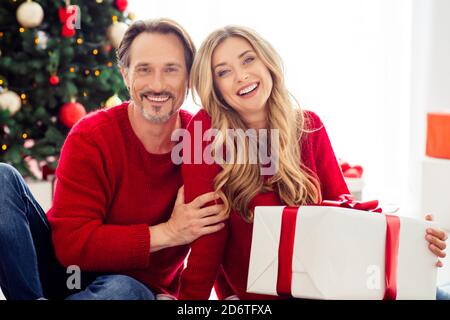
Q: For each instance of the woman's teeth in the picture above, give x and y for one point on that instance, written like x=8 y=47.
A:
x=248 y=89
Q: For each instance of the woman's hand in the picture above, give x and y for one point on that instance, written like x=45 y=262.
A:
x=436 y=238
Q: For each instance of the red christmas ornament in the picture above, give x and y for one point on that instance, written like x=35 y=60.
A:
x=71 y=112
x=121 y=5
x=54 y=80
x=107 y=48
x=68 y=17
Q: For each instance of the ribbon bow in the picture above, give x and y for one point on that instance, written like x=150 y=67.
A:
x=348 y=201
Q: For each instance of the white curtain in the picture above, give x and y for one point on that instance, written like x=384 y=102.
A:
x=347 y=60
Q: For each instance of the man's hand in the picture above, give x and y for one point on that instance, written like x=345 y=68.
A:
x=436 y=238
x=188 y=221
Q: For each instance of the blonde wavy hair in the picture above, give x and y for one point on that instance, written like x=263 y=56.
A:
x=237 y=184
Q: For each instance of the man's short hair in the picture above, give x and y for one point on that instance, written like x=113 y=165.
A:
x=162 y=26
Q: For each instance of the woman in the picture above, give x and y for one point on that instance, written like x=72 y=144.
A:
x=238 y=77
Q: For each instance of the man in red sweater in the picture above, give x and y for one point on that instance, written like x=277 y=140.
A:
x=118 y=212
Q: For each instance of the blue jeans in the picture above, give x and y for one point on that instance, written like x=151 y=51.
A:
x=114 y=287
x=443 y=292
x=28 y=267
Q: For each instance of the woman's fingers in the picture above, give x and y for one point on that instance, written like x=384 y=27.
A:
x=441 y=234
x=436 y=241
x=438 y=252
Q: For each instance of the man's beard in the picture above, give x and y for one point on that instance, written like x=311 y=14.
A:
x=155 y=118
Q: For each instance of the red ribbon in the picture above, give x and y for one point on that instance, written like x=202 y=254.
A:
x=286 y=251
x=392 y=243
x=287 y=237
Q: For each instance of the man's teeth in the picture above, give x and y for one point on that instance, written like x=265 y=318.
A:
x=158 y=98
x=248 y=89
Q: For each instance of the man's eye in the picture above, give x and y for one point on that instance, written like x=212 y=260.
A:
x=169 y=70
x=143 y=70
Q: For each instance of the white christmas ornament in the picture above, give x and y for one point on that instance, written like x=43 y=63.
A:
x=116 y=32
x=112 y=101
x=42 y=40
x=9 y=100
x=30 y=14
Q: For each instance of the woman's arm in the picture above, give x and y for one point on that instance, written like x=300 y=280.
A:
x=205 y=258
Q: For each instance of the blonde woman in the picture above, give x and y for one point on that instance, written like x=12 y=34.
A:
x=238 y=77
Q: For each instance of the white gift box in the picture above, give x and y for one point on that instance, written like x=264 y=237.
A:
x=435 y=187
x=339 y=253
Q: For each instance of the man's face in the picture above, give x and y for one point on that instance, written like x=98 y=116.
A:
x=157 y=76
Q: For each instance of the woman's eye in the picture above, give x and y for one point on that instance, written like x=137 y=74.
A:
x=248 y=60
x=222 y=73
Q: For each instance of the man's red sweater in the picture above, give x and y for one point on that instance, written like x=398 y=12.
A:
x=231 y=246
x=109 y=191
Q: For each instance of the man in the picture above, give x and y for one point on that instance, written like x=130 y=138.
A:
x=118 y=212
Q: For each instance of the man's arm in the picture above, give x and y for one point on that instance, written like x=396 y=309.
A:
x=82 y=194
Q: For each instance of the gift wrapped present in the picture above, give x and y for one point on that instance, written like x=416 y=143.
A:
x=438 y=135
x=337 y=251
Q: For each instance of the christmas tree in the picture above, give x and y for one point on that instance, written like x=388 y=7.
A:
x=57 y=63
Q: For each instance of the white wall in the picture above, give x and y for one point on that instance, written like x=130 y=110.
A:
x=348 y=60
x=438 y=90
x=430 y=90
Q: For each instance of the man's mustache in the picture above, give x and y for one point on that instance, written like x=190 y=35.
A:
x=142 y=94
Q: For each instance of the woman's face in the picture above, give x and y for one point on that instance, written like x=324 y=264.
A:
x=241 y=77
